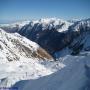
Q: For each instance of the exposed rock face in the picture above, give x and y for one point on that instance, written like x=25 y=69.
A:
x=52 y=40
x=54 y=35
x=14 y=46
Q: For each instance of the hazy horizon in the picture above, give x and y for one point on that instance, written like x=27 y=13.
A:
x=18 y=10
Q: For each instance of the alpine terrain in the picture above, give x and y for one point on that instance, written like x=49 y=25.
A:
x=45 y=54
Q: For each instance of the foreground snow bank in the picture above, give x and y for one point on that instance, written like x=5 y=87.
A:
x=74 y=76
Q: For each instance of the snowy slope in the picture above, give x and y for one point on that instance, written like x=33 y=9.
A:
x=22 y=59
x=74 y=76
x=14 y=43
x=81 y=25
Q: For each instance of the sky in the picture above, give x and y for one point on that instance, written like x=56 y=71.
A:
x=36 y=9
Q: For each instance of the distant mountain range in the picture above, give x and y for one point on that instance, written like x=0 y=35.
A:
x=46 y=54
x=51 y=34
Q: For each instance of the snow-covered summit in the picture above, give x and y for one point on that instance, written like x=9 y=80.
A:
x=81 y=25
x=49 y=23
x=45 y=23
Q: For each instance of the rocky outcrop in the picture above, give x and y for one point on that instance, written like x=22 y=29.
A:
x=14 y=46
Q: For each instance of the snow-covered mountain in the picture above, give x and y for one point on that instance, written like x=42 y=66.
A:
x=45 y=23
x=52 y=34
x=17 y=46
x=13 y=27
x=74 y=76
x=55 y=34
x=59 y=61
x=22 y=59
x=43 y=31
